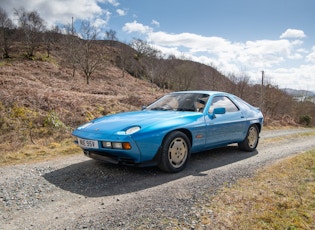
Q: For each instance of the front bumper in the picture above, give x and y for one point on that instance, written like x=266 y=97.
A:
x=102 y=156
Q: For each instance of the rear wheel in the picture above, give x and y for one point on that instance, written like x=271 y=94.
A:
x=175 y=152
x=251 y=141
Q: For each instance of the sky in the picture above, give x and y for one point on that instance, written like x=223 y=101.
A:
x=237 y=37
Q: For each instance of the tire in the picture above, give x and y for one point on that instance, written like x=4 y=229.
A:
x=250 y=142
x=175 y=152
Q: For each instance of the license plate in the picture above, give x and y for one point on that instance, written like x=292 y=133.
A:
x=88 y=143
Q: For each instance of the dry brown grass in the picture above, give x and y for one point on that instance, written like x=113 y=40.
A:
x=311 y=132
x=39 y=152
x=280 y=196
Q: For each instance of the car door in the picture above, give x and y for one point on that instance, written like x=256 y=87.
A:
x=224 y=128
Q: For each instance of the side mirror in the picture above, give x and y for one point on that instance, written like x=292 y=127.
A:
x=143 y=107
x=217 y=111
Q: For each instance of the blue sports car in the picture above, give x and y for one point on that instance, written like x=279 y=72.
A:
x=166 y=132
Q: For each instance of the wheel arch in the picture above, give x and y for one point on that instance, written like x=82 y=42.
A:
x=258 y=126
x=185 y=131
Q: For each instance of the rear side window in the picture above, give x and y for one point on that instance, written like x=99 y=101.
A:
x=223 y=102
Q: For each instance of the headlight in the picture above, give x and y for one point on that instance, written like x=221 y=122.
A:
x=132 y=130
x=85 y=125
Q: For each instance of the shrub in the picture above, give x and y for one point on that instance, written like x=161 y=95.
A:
x=305 y=120
x=52 y=120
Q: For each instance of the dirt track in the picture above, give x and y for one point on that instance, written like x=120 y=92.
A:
x=78 y=193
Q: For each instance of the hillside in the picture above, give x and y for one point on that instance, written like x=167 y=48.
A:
x=47 y=87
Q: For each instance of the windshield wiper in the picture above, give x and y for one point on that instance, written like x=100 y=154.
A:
x=185 y=109
x=161 y=108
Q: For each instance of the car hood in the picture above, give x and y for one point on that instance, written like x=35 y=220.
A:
x=122 y=121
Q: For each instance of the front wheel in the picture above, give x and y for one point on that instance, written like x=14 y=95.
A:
x=250 y=142
x=175 y=152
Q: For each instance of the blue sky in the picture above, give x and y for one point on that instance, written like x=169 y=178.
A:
x=240 y=37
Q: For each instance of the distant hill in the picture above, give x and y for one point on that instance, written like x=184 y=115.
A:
x=299 y=93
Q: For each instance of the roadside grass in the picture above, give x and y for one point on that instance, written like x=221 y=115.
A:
x=32 y=153
x=280 y=196
x=311 y=132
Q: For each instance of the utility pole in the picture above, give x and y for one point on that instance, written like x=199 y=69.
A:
x=72 y=30
x=262 y=91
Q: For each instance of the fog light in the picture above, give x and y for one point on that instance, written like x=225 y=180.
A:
x=117 y=145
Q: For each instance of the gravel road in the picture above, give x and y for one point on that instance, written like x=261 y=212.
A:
x=76 y=192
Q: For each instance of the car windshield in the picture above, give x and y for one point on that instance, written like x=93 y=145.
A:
x=181 y=102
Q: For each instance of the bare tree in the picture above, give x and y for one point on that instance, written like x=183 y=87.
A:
x=71 y=47
x=241 y=84
x=143 y=49
x=50 y=37
x=184 y=76
x=6 y=26
x=82 y=49
x=145 y=55
x=124 y=57
x=111 y=36
x=165 y=69
x=161 y=72
x=32 y=25
x=90 y=55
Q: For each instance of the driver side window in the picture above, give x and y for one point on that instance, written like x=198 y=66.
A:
x=223 y=102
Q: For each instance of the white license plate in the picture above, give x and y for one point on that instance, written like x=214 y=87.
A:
x=88 y=143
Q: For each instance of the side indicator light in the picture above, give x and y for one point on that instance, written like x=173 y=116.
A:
x=126 y=145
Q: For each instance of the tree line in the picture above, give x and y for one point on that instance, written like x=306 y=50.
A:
x=83 y=50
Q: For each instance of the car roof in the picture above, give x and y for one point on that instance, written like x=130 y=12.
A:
x=202 y=92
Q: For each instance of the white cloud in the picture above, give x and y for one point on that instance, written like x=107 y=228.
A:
x=293 y=33
x=99 y=22
x=301 y=77
x=268 y=53
x=189 y=40
x=121 y=12
x=311 y=56
x=60 y=11
x=260 y=54
x=112 y=2
x=135 y=27
x=156 y=23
